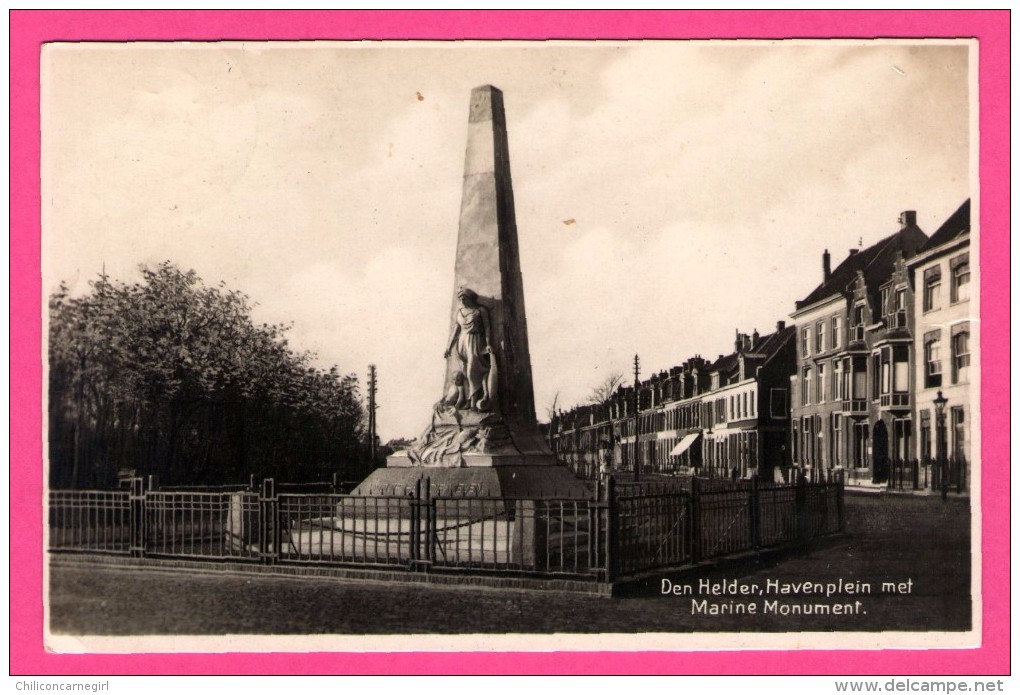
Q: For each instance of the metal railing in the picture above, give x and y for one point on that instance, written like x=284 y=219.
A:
x=927 y=474
x=622 y=530
x=855 y=405
x=90 y=521
x=894 y=400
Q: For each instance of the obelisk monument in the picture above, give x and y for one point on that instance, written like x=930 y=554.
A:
x=482 y=437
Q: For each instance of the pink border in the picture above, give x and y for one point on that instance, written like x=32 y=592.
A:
x=29 y=29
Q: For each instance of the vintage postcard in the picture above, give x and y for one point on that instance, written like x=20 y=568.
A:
x=620 y=346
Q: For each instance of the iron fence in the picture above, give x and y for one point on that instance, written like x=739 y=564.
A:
x=928 y=474
x=621 y=531
x=90 y=521
x=346 y=529
x=652 y=531
x=208 y=525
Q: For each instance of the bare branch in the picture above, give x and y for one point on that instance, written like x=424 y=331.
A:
x=606 y=388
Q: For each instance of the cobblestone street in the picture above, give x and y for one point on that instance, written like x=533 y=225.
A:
x=919 y=540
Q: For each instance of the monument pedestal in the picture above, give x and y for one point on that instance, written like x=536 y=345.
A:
x=503 y=479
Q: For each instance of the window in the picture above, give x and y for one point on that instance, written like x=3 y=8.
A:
x=960 y=286
x=899 y=318
x=885 y=307
x=901 y=369
x=820 y=336
x=961 y=356
x=857 y=324
x=932 y=359
x=805 y=385
x=778 y=405
x=835 y=328
x=959 y=433
x=932 y=287
x=820 y=384
x=836 y=381
x=805 y=341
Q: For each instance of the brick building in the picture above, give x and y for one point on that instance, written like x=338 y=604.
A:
x=944 y=316
x=852 y=388
x=700 y=416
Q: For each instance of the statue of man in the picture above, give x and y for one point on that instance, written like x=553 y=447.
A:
x=471 y=341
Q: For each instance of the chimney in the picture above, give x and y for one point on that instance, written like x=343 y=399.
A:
x=826 y=266
x=853 y=252
x=908 y=218
x=754 y=338
x=780 y=325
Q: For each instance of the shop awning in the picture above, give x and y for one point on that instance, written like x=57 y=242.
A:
x=684 y=444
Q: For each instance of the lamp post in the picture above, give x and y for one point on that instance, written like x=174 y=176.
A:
x=940 y=442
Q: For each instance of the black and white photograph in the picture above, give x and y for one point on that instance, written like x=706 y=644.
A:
x=548 y=345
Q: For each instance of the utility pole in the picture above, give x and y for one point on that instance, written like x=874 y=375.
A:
x=371 y=414
x=637 y=420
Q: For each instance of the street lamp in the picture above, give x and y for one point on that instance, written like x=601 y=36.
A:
x=940 y=441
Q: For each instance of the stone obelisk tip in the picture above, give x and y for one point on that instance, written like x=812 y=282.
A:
x=485 y=100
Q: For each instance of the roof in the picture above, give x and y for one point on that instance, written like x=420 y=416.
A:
x=771 y=344
x=766 y=347
x=876 y=262
x=956 y=226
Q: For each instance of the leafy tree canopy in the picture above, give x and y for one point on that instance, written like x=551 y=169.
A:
x=168 y=376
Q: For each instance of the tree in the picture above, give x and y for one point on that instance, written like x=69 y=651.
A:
x=606 y=388
x=550 y=410
x=170 y=377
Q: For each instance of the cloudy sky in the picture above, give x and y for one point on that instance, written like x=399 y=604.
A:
x=704 y=178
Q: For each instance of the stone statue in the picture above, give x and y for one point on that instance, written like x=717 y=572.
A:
x=456 y=395
x=471 y=341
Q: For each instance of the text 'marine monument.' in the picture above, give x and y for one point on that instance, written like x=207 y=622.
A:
x=482 y=437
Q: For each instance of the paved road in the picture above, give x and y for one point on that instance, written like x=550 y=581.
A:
x=917 y=540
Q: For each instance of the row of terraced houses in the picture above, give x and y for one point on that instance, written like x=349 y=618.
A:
x=849 y=384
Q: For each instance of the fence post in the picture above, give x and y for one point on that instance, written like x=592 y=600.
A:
x=839 y=504
x=415 y=537
x=430 y=510
x=594 y=521
x=800 y=505
x=269 y=523
x=611 y=529
x=136 y=504
x=753 y=520
x=695 y=520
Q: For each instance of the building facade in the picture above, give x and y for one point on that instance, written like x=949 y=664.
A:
x=944 y=316
x=852 y=388
x=725 y=418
